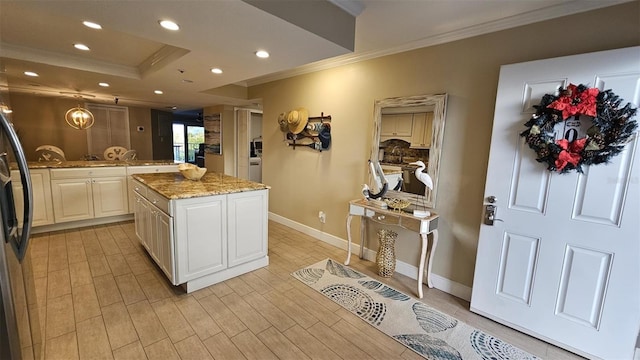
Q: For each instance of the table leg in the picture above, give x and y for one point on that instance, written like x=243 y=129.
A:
x=349 y=239
x=434 y=233
x=423 y=255
x=363 y=229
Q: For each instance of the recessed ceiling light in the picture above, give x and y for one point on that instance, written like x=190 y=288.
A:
x=81 y=47
x=92 y=25
x=104 y=84
x=262 y=54
x=31 y=73
x=169 y=25
x=158 y=92
x=216 y=71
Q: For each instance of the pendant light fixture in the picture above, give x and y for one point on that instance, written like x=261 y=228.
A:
x=79 y=118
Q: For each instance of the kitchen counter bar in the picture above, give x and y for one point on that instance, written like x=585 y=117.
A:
x=175 y=186
x=97 y=163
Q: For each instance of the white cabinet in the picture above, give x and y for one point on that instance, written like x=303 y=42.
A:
x=42 y=205
x=422 y=129
x=201 y=232
x=203 y=240
x=154 y=229
x=131 y=170
x=247 y=226
x=87 y=193
x=396 y=126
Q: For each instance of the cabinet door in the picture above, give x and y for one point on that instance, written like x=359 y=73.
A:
x=421 y=136
x=140 y=216
x=110 y=196
x=154 y=244
x=42 y=204
x=164 y=226
x=72 y=199
x=247 y=226
x=200 y=237
x=404 y=124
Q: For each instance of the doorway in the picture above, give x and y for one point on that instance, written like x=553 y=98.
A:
x=249 y=150
x=186 y=142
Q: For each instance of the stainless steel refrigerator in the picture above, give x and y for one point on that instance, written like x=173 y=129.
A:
x=20 y=331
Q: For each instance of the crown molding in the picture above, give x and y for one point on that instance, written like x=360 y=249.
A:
x=551 y=12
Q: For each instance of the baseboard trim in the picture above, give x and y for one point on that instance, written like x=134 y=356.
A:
x=439 y=282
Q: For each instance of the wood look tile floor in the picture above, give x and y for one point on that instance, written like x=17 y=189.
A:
x=101 y=296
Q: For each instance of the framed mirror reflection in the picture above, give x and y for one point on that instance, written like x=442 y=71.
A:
x=409 y=130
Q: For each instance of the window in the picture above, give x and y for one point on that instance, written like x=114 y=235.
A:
x=186 y=139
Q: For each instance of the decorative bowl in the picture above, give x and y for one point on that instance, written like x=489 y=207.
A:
x=192 y=172
x=397 y=204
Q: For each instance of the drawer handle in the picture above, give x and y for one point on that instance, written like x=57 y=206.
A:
x=381 y=217
x=155 y=201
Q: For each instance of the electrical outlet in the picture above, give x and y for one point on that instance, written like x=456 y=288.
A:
x=322 y=216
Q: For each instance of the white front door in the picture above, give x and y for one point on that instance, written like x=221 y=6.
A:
x=564 y=263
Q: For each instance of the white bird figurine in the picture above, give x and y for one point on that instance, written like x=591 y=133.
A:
x=423 y=176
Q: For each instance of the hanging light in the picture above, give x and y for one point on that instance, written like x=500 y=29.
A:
x=79 y=118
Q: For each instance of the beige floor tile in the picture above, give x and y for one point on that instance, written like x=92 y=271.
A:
x=223 y=316
x=192 y=348
x=280 y=345
x=119 y=326
x=80 y=273
x=75 y=250
x=310 y=345
x=200 y=321
x=109 y=246
x=239 y=286
x=272 y=313
x=125 y=246
x=130 y=289
x=251 y=347
x=40 y=266
x=118 y=264
x=91 y=246
x=58 y=258
x=298 y=314
x=220 y=289
x=247 y=314
x=133 y=351
x=92 y=340
x=62 y=347
x=98 y=265
x=337 y=343
x=60 y=318
x=41 y=290
x=172 y=320
x=316 y=295
x=146 y=322
x=138 y=263
x=162 y=350
x=107 y=290
x=152 y=287
x=85 y=302
x=39 y=246
x=412 y=355
x=199 y=294
x=256 y=283
x=222 y=348
x=58 y=284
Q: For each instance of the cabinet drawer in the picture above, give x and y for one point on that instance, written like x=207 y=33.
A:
x=159 y=201
x=139 y=188
x=76 y=173
x=151 y=169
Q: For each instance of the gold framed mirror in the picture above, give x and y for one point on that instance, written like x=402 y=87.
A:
x=388 y=147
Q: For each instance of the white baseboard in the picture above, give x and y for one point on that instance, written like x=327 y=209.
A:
x=439 y=282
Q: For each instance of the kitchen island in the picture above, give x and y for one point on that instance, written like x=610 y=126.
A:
x=201 y=232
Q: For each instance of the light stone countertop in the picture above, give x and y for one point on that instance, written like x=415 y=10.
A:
x=175 y=186
x=86 y=163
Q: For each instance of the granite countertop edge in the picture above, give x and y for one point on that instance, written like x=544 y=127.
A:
x=174 y=186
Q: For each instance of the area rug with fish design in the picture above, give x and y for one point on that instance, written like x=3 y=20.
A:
x=419 y=327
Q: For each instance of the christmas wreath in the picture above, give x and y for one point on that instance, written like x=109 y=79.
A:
x=612 y=127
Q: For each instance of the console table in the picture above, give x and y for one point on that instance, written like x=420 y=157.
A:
x=423 y=226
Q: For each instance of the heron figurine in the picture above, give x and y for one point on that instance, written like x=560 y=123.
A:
x=424 y=178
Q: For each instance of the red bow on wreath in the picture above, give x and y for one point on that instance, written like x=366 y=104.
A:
x=570 y=153
x=575 y=102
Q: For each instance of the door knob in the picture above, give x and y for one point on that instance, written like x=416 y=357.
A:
x=490 y=214
x=492 y=199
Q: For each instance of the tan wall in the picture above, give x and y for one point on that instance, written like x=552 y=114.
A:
x=304 y=181
x=40 y=120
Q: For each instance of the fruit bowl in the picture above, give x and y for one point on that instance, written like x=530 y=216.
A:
x=192 y=172
x=397 y=204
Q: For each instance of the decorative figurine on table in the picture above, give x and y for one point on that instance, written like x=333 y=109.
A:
x=424 y=178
